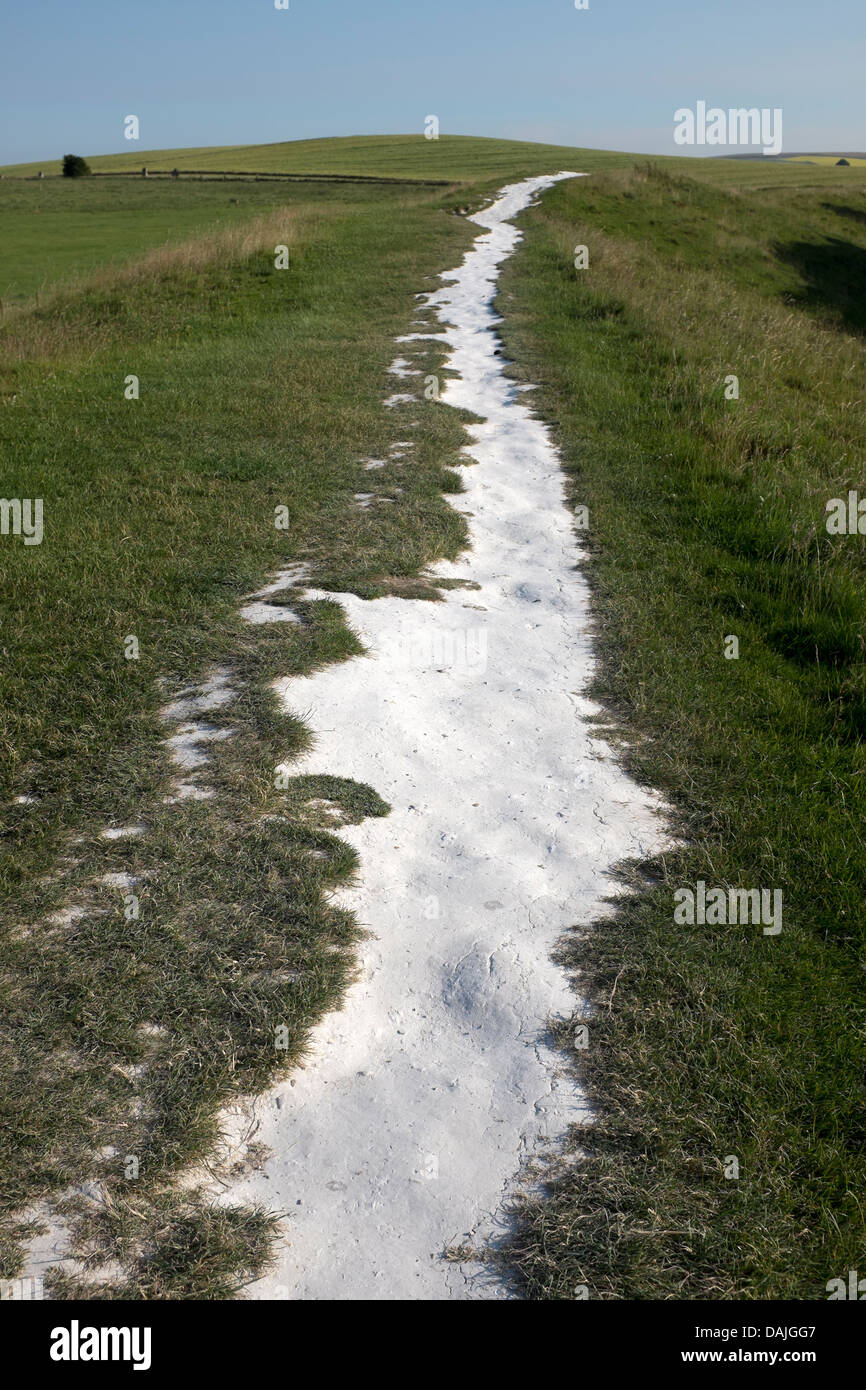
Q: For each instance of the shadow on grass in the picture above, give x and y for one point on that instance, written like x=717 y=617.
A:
x=853 y=214
x=835 y=274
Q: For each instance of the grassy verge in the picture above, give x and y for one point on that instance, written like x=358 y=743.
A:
x=707 y=520
x=149 y=980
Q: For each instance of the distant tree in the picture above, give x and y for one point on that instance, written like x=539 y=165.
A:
x=842 y=162
x=74 y=167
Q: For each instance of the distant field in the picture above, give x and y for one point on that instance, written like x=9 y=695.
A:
x=831 y=159
x=60 y=230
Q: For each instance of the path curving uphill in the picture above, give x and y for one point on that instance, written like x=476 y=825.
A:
x=426 y=1093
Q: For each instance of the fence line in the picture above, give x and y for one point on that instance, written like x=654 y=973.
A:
x=217 y=175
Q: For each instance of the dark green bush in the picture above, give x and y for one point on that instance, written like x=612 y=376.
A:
x=74 y=166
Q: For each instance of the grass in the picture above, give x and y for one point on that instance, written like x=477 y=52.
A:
x=259 y=388
x=708 y=520
x=64 y=232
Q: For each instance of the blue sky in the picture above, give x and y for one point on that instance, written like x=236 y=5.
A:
x=217 y=72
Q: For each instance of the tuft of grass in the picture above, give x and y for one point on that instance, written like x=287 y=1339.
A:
x=184 y=1249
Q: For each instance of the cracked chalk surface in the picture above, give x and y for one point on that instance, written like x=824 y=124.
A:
x=426 y=1093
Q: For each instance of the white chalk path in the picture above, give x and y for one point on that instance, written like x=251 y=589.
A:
x=426 y=1093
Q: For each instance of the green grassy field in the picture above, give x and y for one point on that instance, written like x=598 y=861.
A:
x=708 y=520
x=262 y=388
x=63 y=230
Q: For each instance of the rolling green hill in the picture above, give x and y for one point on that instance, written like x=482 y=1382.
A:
x=395 y=156
x=457 y=158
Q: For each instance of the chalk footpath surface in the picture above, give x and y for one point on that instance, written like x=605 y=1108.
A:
x=426 y=1093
